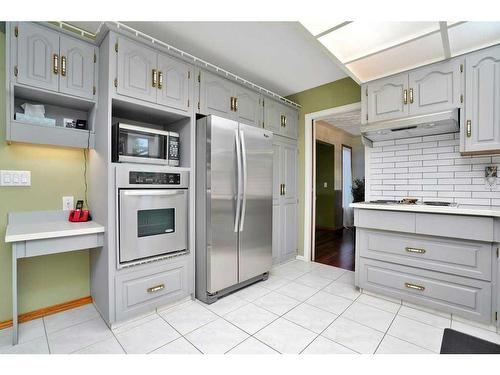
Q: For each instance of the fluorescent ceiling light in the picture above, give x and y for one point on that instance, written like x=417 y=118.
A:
x=317 y=27
x=471 y=36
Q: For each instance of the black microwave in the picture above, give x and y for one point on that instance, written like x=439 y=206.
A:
x=139 y=144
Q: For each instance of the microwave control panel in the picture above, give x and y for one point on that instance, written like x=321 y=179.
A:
x=154 y=178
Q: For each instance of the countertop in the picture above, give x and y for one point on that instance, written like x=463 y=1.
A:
x=42 y=225
x=491 y=211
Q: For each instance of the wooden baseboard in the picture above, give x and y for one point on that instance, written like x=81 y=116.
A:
x=48 y=311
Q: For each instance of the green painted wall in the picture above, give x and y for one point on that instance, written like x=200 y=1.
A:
x=333 y=94
x=55 y=172
x=325 y=196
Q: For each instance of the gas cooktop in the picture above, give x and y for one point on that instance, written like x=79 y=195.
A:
x=403 y=202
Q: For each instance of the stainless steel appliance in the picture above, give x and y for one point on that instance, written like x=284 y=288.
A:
x=234 y=172
x=152 y=213
x=139 y=144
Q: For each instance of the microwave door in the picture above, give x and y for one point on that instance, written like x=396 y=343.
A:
x=152 y=223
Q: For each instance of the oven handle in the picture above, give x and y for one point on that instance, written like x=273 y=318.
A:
x=154 y=192
x=244 y=162
x=238 y=192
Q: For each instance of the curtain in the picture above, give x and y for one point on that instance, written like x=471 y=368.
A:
x=348 y=212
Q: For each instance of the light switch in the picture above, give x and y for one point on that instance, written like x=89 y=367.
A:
x=15 y=178
x=325 y=184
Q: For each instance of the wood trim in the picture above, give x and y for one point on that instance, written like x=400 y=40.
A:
x=476 y=153
x=45 y=311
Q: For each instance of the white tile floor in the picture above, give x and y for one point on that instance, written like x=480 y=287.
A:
x=306 y=308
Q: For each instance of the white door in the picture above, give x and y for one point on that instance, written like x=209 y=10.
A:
x=272 y=113
x=289 y=220
x=216 y=96
x=289 y=170
x=436 y=88
x=387 y=98
x=173 y=82
x=77 y=68
x=248 y=107
x=482 y=101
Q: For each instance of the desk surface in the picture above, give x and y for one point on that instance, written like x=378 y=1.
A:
x=38 y=226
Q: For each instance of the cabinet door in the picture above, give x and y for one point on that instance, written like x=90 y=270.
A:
x=215 y=96
x=289 y=220
x=277 y=170
x=482 y=100
x=77 y=68
x=37 y=56
x=174 y=76
x=277 y=233
x=135 y=70
x=386 y=98
x=272 y=113
x=435 y=88
x=248 y=106
x=290 y=123
x=289 y=172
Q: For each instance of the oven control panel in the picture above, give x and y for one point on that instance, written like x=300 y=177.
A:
x=154 y=178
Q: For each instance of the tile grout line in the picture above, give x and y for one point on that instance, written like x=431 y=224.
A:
x=46 y=335
x=387 y=330
x=181 y=336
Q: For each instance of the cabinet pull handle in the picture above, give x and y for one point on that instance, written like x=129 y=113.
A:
x=281 y=189
x=155 y=77
x=160 y=79
x=405 y=96
x=63 y=66
x=469 y=128
x=232 y=103
x=283 y=121
x=414 y=286
x=55 y=63
x=415 y=250
x=411 y=96
x=284 y=189
x=156 y=288
x=235 y=104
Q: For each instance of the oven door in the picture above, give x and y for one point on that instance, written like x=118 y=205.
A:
x=152 y=222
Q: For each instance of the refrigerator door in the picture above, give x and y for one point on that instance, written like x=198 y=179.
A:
x=255 y=242
x=222 y=187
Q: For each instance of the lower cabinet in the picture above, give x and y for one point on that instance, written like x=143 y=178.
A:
x=141 y=291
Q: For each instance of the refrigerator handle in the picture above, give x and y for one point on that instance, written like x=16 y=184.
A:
x=244 y=163
x=238 y=192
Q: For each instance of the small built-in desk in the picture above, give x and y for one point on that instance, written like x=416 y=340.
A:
x=42 y=233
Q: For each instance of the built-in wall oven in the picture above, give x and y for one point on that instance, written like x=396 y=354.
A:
x=152 y=213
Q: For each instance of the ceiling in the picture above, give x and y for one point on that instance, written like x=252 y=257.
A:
x=280 y=56
x=349 y=122
x=369 y=50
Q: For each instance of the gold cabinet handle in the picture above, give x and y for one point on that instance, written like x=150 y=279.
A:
x=414 y=286
x=155 y=77
x=405 y=96
x=156 y=288
x=235 y=104
x=411 y=96
x=281 y=189
x=469 y=128
x=284 y=189
x=160 y=79
x=283 y=121
x=55 y=63
x=414 y=250
x=63 y=66
x=232 y=103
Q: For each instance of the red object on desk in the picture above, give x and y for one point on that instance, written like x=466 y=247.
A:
x=79 y=215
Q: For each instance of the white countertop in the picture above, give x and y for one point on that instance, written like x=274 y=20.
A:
x=491 y=211
x=50 y=229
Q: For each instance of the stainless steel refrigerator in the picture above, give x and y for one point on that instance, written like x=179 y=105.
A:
x=234 y=173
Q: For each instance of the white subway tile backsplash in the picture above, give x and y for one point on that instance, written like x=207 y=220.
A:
x=430 y=168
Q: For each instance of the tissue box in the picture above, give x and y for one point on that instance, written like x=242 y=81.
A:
x=35 y=120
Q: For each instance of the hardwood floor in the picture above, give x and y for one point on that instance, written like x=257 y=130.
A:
x=335 y=248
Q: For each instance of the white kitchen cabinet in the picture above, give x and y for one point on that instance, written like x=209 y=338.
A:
x=387 y=98
x=284 y=199
x=280 y=118
x=173 y=83
x=481 y=132
x=436 y=88
x=52 y=61
x=248 y=106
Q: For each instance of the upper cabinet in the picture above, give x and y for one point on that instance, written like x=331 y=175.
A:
x=280 y=118
x=431 y=89
x=145 y=74
x=481 y=132
x=222 y=97
x=51 y=61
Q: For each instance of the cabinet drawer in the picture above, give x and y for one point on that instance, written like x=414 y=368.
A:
x=385 y=220
x=469 y=298
x=145 y=290
x=455 y=226
x=457 y=257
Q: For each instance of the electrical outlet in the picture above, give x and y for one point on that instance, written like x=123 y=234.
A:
x=68 y=203
x=325 y=185
x=15 y=178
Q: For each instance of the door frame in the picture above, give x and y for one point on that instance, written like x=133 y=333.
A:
x=342 y=176
x=310 y=172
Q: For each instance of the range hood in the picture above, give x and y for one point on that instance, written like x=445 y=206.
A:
x=415 y=126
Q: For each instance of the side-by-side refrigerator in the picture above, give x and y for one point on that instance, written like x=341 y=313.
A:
x=234 y=173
